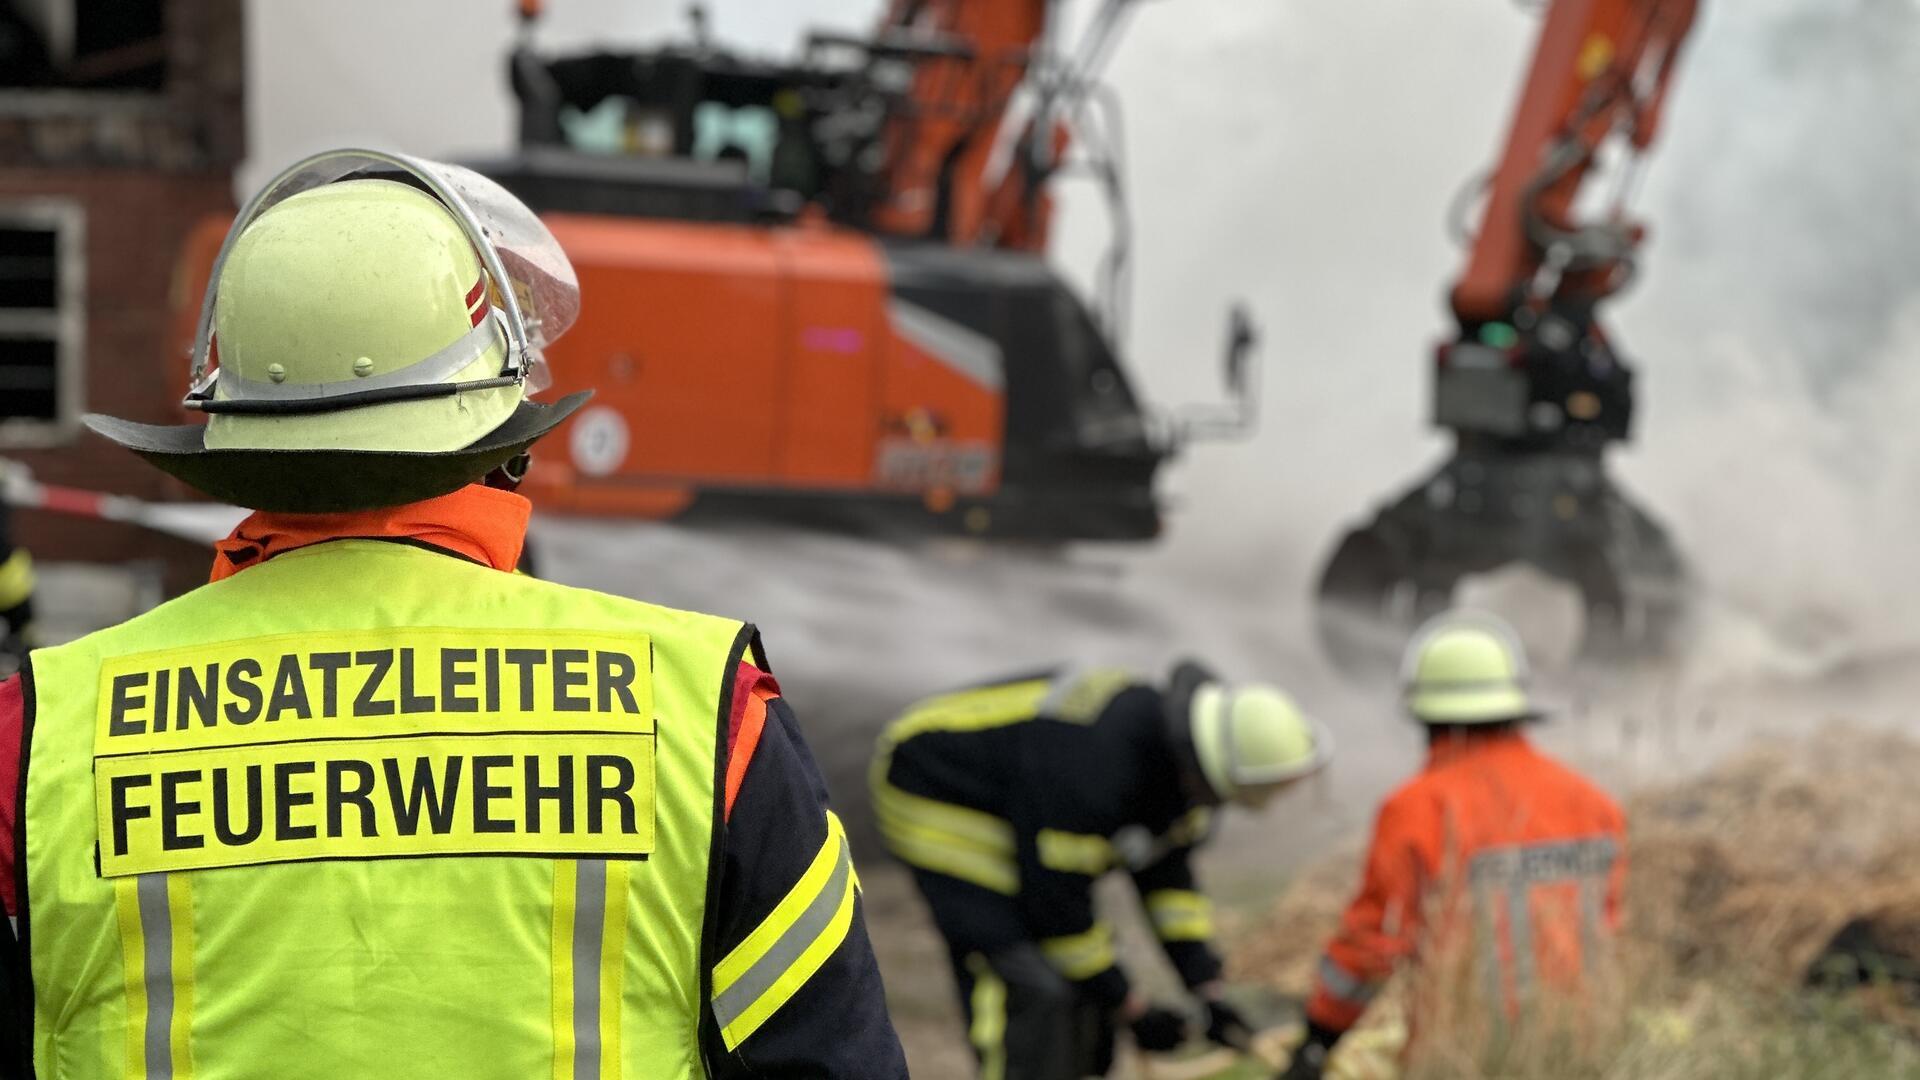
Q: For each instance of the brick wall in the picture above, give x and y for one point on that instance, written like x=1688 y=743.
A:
x=144 y=168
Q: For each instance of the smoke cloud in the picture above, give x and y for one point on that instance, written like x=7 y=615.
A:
x=1303 y=155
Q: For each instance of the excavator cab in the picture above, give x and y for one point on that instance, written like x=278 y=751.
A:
x=817 y=290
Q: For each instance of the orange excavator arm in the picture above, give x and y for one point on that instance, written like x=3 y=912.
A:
x=1532 y=387
x=1601 y=72
x=990 y=116
x=941 y=145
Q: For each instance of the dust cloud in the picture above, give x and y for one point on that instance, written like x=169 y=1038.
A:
x=1302 y=156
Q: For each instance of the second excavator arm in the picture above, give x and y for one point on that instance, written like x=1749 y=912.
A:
x=1532 y=386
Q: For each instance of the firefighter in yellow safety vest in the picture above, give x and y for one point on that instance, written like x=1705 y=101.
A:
x=369 y=804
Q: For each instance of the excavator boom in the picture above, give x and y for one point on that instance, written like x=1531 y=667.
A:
x=1601 y=72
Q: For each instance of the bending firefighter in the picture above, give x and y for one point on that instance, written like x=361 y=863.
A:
x=1496 y=872
x=17 y=583
x=1009 y=800
x=369 y=803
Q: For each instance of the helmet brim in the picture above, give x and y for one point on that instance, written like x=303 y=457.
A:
x=330 y=481
x=1477 y=705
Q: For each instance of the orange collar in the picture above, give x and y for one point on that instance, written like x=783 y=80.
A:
x=481 y=523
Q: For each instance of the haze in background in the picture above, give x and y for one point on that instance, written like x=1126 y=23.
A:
x=1302 y=154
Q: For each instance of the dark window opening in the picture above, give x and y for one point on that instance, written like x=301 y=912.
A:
x=83 y=44
x=40 y=319
x=29 y=379
x=28 y=269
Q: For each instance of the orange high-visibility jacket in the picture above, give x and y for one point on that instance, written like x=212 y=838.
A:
x=1494 y=848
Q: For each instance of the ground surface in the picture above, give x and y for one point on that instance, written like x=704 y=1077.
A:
x=856 y=632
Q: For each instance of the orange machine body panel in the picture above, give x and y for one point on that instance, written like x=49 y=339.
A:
x=732 y=356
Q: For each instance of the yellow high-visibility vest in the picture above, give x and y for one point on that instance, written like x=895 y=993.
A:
x=365 y=810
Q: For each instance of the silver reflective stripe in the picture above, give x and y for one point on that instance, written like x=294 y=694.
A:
x=1489 y=942
x=1341 y=984
x=966 y=351
x=1546 y=863
x=589 y=929
x=806 y=929
x=1591 y=889
x=1467 y=684
x=437 y=368
x=156 y=936
x=1065 y=681
x=1520 y=935
x=1514 y=871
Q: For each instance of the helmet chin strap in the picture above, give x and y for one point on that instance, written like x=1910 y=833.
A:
x=509 y=475
x=1186 y=757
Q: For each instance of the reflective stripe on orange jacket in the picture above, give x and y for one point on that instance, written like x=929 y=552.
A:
x=1493 y=848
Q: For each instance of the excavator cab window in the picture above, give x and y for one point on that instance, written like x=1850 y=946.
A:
x=723 y=138
x=744 y=134
x=618 y=125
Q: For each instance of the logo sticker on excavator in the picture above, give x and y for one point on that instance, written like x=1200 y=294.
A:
x=599 y=441
x=375 y=744
x=913 y=464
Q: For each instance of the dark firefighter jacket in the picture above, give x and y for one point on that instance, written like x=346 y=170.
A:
x=1011 y=799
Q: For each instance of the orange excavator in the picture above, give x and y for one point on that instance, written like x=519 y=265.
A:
x=816 y=290
x=1533 y=387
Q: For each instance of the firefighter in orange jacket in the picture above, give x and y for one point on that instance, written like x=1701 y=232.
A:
x=1494 y=848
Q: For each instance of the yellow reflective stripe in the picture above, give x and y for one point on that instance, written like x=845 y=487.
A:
x=988 y=1032
x=1075 y=853
x=16 y=580
x=154 y=913
x=958 y=841
x=1189 y=829
x=126 y=899
x=1083 y=955
x=180 y=909
x=613 y=967
x=1180 y=915
x=561 y=962
x=994 y=874
x=764 y=971
x=966 y=826
x=972 y=710
x=1345 y=986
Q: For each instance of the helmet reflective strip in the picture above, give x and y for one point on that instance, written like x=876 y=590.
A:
x=437 y=368
x=1462 y=685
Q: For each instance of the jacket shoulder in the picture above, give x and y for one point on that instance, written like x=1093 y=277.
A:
x=362 y=574
x=1414 y=800
x=1577 y=788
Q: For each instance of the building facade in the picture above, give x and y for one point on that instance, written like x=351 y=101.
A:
x=121 y=124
